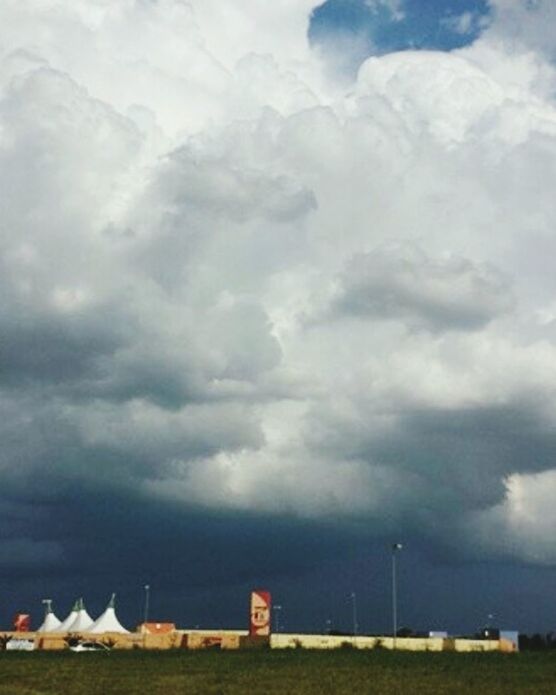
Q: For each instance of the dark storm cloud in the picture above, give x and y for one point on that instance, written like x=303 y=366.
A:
x=441 y=463
x=465 y=455
x=176 y=227
x=46 y=347
x=120 y=540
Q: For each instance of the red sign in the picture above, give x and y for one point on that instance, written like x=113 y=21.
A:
x=22 y=622
x=260 y=614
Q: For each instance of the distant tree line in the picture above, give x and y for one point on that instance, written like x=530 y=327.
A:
x=537 y=642
x=534 y=642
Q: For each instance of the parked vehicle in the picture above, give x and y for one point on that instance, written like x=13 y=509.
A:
x=21 y=645
x=90 y=647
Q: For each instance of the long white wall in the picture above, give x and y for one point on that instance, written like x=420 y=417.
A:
x=431 y=644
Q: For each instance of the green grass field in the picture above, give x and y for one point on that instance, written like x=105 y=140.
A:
x=286 y=672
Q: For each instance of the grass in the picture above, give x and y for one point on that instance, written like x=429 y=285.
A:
x=288 y=672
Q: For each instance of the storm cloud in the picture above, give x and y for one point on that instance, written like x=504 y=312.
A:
x=239 y=295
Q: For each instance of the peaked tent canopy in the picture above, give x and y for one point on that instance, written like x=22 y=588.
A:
x=50 y=622
x=83 y=620
x=63 y=627
x=108 y=622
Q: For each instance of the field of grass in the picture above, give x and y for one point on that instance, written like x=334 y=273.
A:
x=292 y=672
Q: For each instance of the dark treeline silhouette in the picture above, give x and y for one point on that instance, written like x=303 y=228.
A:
x=537 y=642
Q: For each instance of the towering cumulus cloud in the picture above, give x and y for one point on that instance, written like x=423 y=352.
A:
x=235 y=289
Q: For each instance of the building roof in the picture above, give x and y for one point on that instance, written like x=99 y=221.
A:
x=63 y=627
x=50 y=622
x=108 y=622
x=83 y=621
x=156 y=628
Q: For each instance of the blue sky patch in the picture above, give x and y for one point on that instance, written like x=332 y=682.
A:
x=386 y=26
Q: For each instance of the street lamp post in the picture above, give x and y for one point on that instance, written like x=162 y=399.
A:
x=489 y=627
x=147 y=599
x=353 y=597
x=276 y=610
x=396 y=547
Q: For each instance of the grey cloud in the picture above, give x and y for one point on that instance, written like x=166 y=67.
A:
x=145 y=431
x=405 y=284
x=445 y=470
x=194 y=183
x=46 y=347
x=525 y=25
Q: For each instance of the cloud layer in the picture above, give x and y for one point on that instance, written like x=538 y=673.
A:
x=233 y=287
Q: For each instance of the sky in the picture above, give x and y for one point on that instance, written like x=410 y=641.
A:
x=277 y=291
x=378 y=27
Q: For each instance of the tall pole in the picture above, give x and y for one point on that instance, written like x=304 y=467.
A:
x=147 y=597
x=395 y=548
x=354 y=609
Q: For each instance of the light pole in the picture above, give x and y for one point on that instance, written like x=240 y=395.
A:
x=489 y=628
x=147 y=598
x=353 y=598
x=396 y=547
x=276 y=610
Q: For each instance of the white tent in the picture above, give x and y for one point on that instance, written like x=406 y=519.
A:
x=108 y=622
x=83 y=620
x=70 y=619
x=50 y=622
